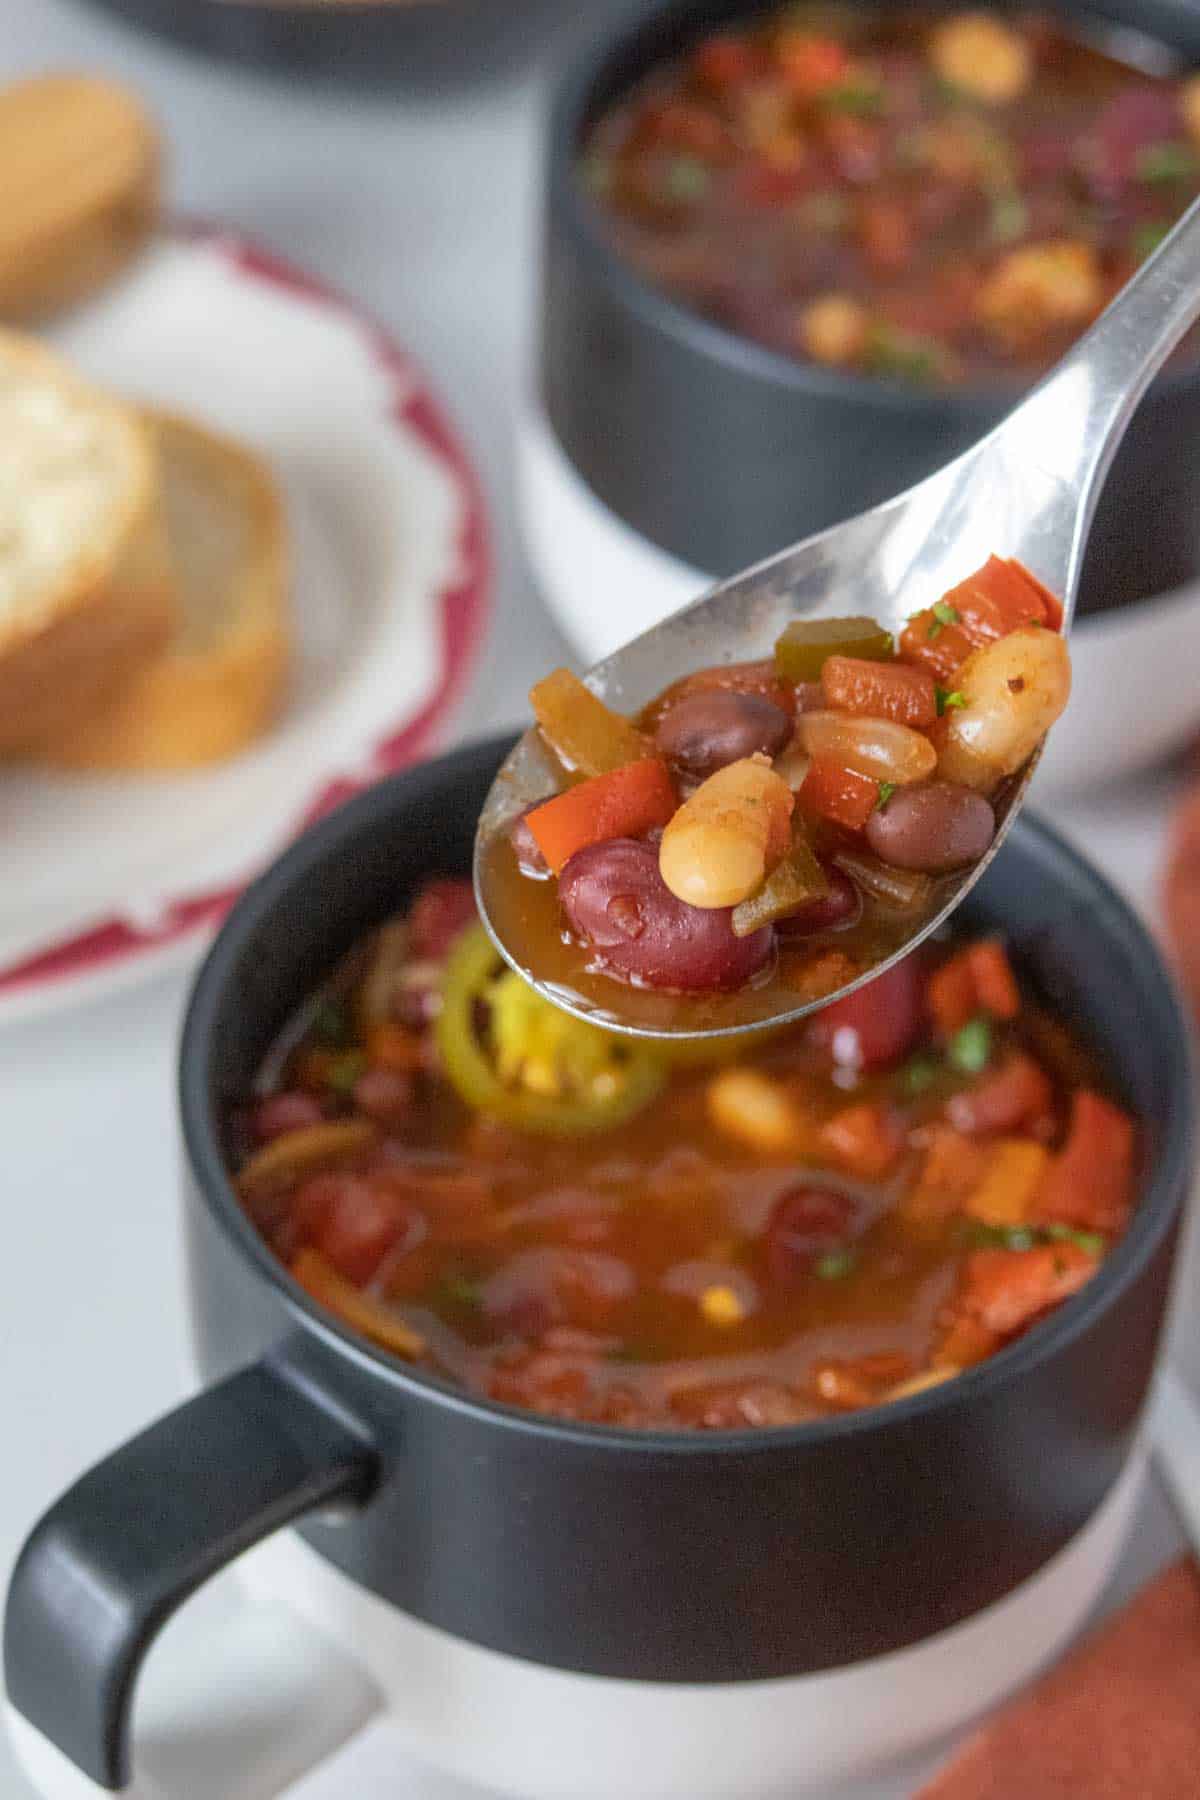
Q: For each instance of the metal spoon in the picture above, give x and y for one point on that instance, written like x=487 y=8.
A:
x=1028 y=490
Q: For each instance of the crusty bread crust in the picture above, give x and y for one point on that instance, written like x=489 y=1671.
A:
x=198 y=703
x=72 y=643
x=83 y=169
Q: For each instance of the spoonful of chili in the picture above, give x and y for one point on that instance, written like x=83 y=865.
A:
x=765 y=801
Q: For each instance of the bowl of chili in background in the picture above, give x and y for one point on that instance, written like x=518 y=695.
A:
x=669 y=1613
x=668 y=445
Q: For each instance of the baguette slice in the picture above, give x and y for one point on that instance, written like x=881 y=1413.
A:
x=80 y=168
x=86 y=596
x=219 y=682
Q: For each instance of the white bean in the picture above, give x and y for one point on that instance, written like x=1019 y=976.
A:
x=1013 y=691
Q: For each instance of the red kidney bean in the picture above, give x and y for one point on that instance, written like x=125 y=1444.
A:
x=806 y=1223
x=385 y=1095
x=530 y=860
x=281 y=1113
x=439 y=913
x=352 y=1222
x=615 y=900
x=842 y=905
x=552 y=1285
x=704 y=732
x=1015 y=1094
x=875 y=1026
x=932 y=827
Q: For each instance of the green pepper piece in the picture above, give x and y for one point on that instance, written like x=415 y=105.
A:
x=542 y=1070
x=801 y=650
x=791 y=883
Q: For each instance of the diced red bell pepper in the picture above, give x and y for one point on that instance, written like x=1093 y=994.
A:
x=1090 y=1182
x=624 y=803
x=880 y=690
x=837 y=793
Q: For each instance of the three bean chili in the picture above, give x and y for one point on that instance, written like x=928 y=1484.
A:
x=927 y=197
x=839 y=1215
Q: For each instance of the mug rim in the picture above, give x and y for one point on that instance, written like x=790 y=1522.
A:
x=1165 y=1186
x=574 y=213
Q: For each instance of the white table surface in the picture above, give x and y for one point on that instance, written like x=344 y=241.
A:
x=425 y=208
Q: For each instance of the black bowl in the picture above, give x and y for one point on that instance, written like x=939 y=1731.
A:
x=720 y=450
x=367 y=43
x=702 y=1558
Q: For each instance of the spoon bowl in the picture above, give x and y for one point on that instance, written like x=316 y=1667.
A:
x=1027 y=490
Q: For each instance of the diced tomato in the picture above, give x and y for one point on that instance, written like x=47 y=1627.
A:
x=1017 y=1093
x=396 y=1048
x=864 y=1139
x=998 y=598
x=439 y=913
x=880 y=690
x=886 y=236
x=1005 y=1290
x=627 y=802
x=875 y=1026
x=1090 y=1182
x=833 y=792
x=977 y=979
x=954 y=1166
x=722 y=63
x=352 y=1222
x=951 y=995
x=996 y=987
x=810 y=63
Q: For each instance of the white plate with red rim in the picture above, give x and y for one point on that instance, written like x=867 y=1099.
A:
x=112 y=879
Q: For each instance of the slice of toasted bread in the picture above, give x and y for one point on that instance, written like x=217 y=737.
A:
x=85 y=594
x=220 y=680
x=81 y=164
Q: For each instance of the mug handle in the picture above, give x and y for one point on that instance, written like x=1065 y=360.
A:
x=103 y=1570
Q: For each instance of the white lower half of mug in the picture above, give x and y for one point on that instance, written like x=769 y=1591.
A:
x=293 y=1659
x=604 y=583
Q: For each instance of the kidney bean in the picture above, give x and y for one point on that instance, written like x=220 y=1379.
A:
x=805 y=1224
x=525 y=847
x=704 y=732
x=384 y=1095
x=875 y=1026
x=616 y=900
x=353 y=1222
x=552 y=1285
x=439 y=913
x=281 y=1113
x=842 y=905
x=932 y=828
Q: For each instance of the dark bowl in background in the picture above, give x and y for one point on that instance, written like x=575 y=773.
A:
x=720 y=450
x=580 y=1547
x=367 y=43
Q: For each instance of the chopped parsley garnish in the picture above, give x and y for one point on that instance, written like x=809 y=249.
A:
x=886 y=790
x=835 y=1265
x=858 y=96
x=344 y=1072
x=943 y=614
x=919 y=1073
x=1029 y=1237
x=970 y=1048
x=686 y=178
x=948 y=698
x=1165 y=163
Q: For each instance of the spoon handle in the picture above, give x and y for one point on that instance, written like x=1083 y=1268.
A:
x=1071 y=424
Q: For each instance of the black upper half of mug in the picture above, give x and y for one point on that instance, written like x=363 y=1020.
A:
x=721 y=450
x=587 y=1547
